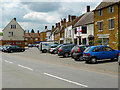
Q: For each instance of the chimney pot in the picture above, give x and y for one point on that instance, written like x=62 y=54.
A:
x=88 y=8
x=69 y=16
x=15 y=19
x=52 y=27
x=45 y=27
x=38 y=31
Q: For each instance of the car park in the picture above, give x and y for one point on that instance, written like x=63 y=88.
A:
x=78 y=52
x=65 y=50
x=52 y=48
x=14 y=48
x=94 y=53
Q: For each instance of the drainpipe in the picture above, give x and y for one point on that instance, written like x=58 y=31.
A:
x=118 y=26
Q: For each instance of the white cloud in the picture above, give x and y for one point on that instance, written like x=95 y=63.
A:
x=1 y=29
x=41 y=16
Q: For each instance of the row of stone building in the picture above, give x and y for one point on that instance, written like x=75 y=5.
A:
x=98 y=27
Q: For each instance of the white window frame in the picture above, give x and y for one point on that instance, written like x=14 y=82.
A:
x=13 y=26
x=98 y=25
x=36 y=39
x=111 y=8
x=109 y=23
x=10 y=34
x=100 y=12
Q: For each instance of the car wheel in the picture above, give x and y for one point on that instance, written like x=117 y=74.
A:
x=11 y=51
x=22 y=50
x=93 y=60
x=66 y=55
x=81 y=58
x=45 y=51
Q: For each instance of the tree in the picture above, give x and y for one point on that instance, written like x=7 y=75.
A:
x=32 y=31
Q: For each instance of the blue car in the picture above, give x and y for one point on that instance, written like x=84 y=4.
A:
x=94 y=53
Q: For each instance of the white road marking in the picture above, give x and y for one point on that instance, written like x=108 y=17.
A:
x=25 y=67
x=66 y=80
x=8 y=61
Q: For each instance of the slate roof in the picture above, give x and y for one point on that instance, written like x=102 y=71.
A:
x=87 y=18
x=106 y=4
x=75 y=20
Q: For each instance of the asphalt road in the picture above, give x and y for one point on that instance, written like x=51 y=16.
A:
x=33 y=69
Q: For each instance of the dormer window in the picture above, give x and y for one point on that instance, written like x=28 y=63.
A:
x=13 y=26
x=111 y=9
x=100 y=12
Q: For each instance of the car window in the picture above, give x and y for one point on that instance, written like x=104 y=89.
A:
x=106 y=49
x=12 y=47
x=87 y=49
x=97 y=49
x=17 y=47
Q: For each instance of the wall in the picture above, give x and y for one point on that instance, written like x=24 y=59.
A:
x=112 y=33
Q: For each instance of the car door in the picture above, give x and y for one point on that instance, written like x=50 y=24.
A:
x=108 y=52
x=97 y=52
x=18 y=49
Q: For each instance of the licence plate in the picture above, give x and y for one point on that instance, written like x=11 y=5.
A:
x=84 y=55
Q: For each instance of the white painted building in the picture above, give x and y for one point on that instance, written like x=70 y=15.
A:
x=87 y=28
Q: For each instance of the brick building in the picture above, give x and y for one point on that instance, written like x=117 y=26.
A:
x=106 y=24
x=32 y=38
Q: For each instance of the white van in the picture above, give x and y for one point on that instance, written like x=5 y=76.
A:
x=44 y=46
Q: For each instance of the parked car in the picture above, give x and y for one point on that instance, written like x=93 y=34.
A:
x=72 y=51
x=65 y=50
x=94 y=53
x=119 y=59
x=4 y=47
x=44 y=46
x=78 y=52
x=57 y=48
x=52 y=48
x=30 y=45
x=14 y=48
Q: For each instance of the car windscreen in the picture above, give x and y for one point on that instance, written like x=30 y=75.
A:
x=53 y=46
x=87 y=49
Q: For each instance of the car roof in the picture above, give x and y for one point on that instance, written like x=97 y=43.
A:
x=100 y=46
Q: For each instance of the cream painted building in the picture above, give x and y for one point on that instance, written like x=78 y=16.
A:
x=13 y=34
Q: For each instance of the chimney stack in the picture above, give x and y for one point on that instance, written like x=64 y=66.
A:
x=88 y=8
x=15 y=19
x=64 y=20
x=69 y=18
x=56 y=24
x=45 y=27
x=52 y=27
x=73 y=17
x=38 y=31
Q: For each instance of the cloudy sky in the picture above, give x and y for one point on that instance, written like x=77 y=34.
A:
x=35 y=15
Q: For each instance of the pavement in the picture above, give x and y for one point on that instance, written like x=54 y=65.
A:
x=33 y=69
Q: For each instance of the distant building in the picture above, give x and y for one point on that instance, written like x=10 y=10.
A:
x=13 y=34
x=32 y=38
x=43 y=35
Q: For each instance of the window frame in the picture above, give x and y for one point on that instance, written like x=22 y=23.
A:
x=100 y=28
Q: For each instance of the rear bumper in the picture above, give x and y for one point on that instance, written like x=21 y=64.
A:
x=60 y=54
x=86 y=58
